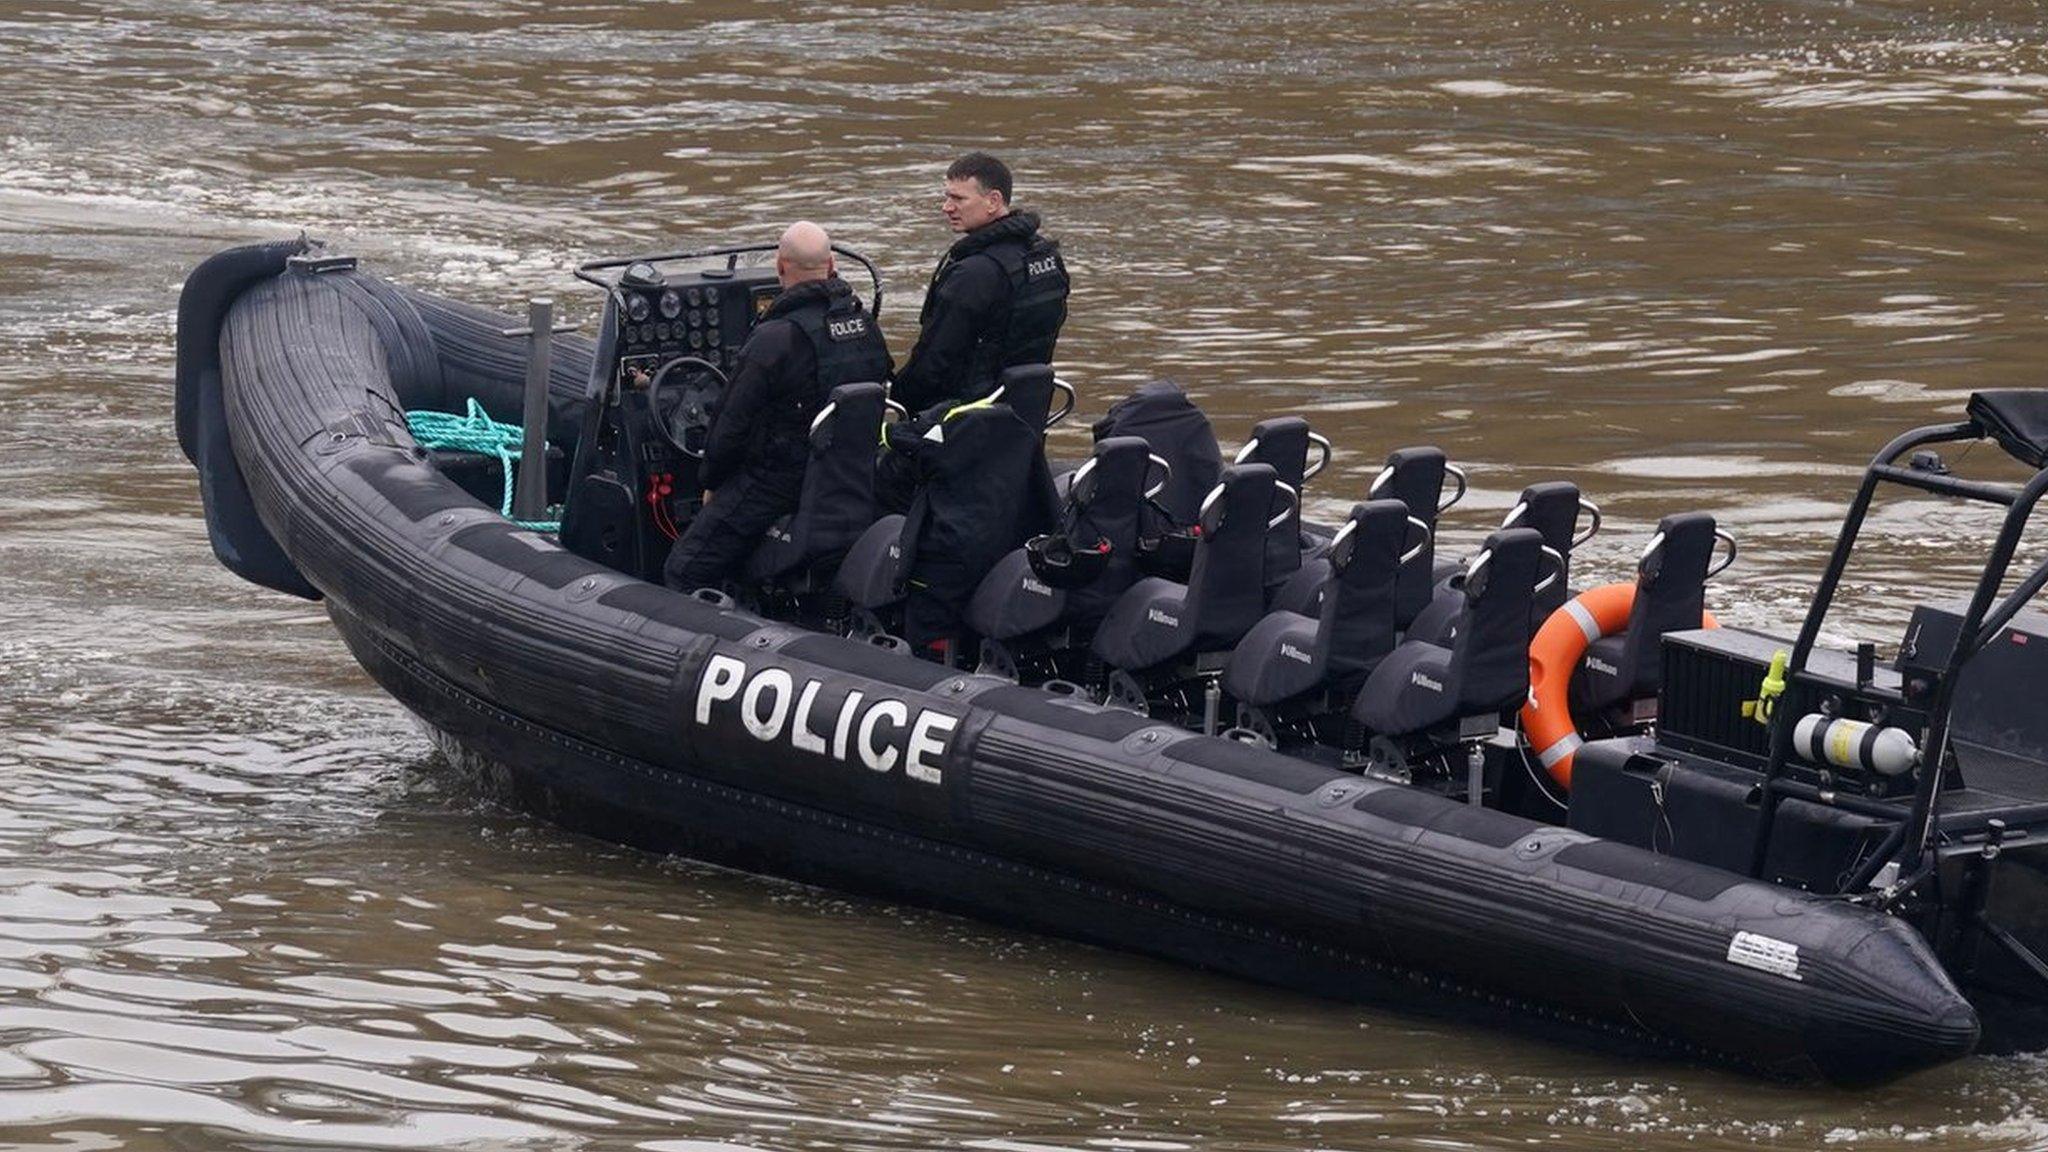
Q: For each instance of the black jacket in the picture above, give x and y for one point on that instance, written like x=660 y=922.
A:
x=763 y=422
x=969 y=330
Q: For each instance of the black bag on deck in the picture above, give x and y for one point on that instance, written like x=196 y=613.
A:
x=1161 y=414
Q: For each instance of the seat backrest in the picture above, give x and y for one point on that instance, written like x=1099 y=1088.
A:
x=1552 y=509
x=976 y=471
x=1490 y=655
x=1415 y=476
x=1282 y=444
x=1226 y=594
x=1027 y=389
x=837 y=501
x=1103 y=504
x=1671 y=589
x=1356 y=626
x=1161 y=414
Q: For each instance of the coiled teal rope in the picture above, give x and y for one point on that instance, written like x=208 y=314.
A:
x=477 y=432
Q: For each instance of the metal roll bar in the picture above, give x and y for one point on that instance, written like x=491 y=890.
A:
x=587 y=271
x=1923 y=821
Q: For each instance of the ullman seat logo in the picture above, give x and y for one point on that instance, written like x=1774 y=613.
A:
x=878 y=732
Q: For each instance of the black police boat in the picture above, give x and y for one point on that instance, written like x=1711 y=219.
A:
x=1145 y=705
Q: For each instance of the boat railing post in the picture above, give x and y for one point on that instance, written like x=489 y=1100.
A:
x=530 y=495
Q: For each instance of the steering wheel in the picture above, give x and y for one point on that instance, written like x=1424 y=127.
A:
x=690 y=410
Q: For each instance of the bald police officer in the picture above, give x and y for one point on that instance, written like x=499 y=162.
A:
x=815 y=337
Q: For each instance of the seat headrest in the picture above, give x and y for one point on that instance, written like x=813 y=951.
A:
x=1506 y=564
x=2017 y=418
x=1372 y=522
x=851 y=410
x=1551 y=508
x=1027 y=389
x=1281 y=442
x=1243 y=491
x=1683 y=545
x=1414 y=476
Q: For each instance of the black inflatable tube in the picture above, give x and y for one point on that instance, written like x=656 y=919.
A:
x=239 y=539
x=651 y=718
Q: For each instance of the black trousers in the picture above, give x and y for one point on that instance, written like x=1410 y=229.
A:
x=726 y=531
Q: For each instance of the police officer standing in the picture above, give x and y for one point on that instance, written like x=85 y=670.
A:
x=815 y=337
x=997 y=299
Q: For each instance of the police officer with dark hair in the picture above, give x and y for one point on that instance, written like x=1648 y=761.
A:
x=815 y=337
x=997 y=299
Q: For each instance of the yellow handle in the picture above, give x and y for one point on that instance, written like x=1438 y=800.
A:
x=1767 y=693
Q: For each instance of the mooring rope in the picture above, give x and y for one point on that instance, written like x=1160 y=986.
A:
x=477 y=432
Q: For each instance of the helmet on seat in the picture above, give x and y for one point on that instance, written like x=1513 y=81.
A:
x=1058 y=563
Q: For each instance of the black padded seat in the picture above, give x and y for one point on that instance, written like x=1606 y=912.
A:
x=1158 y=621
x=1287 y=654
x=982 y=489
x=1283 y=443
x=1421 y=685
x=837 y=502
x=1029 y=389
x=872 y=575
x=1671 y=582
x=1101 y=511
x=1552 y=508
x=1414 y=476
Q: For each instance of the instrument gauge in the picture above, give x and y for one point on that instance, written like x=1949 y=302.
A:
x=671 y=304
x=696 y=297
x=637 y=308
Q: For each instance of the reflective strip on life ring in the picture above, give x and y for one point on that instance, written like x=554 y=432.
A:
x=1555 y=654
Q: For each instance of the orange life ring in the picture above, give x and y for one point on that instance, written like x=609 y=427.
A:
x=1555 y=653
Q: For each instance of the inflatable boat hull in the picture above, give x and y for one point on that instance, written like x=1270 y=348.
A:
x=627 y=710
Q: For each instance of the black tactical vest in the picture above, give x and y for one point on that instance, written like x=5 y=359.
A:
x=1027 y=333
x=1038 y=302
x=846 y=341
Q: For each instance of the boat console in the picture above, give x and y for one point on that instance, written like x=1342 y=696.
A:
x=672 y=331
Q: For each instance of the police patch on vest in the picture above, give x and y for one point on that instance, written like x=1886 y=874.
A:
x=851 y=726
x=1043 y=266
x=851 y=328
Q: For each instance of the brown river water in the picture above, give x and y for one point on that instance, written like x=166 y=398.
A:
x=1691 y=254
